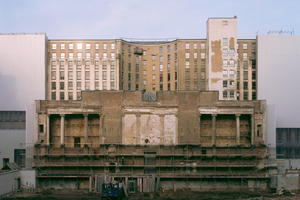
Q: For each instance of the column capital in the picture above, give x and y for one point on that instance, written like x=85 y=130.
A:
x=214 y=114
x=161 y=115
x=99 y=114
x=85 y=115
x=62 y=115
x=237 y=115
x=199 y=114
x=137 y=115
x=48 y=115
x=123 y=115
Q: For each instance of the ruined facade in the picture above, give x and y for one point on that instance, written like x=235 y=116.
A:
x=177 y=139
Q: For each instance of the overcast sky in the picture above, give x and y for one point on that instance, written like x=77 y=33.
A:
x=113 y=19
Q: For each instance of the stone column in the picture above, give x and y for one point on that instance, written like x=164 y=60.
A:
x=100 y=128
x=238 y=134
x=85 y=129
x=176 y=130
x=162 y=128
x=36 y=120
x=199 y=124
x=48 y=130
x=137 y=130
x=123 y=129
x=252 y=129
x=213 y=137
x=62 y=129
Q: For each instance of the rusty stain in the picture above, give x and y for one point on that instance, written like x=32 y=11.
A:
x=231 y=43
x=215 y=80
x=216 y=58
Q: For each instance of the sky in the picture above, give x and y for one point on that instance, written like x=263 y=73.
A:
x=145 y=19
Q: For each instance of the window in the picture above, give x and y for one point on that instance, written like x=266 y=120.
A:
x=160 y=49
x=96 y=75
x=144 y=62
x=245 y=95
x=253 y=45
x=78 y=85
x=225 y=41
x=175 y=56
x=244 y=45
x=112 y=46
x=96 y=85
x=70 y=75
x=70 y=85
x=53 y=55
x=87 y=75
x=224 y=94
x=225 y=62
x=153 y=77
x=104 y=75
x=202 y=45
x=144 y=82
x=144 y=52
x=53 y=95
x=231 y=83
x=238 y=85
x=62 y=55
x=231 y=73
x=87 y=85
x=225 y=73
x=238 y=64
x=245 y=64
x=202 y=55
x=225 y=84
x=53 y=75
x=144 y=72
x=62 y=75
x=187 y=85
x=70 y=55
x=129 y=76
x=70 y=95
x=202 y=75
x=202 y=85
x=169 y=76
x=238 y=74
x=112 y=64
x=153 y=86
x=253 y=95
x=195 y=45
x=187 y=75
x=202 y=64
x=231 y=52
x=225 y=52
x=79 y=55
x=62 y=46
x=160 y=67
x=253 y=85
x=245 y=56
x=195 y=75
x=245 y=75
x=153 y=57
x=112 y=85
x=153 y=67
x=53 y=65
x=129 y=48
x=195 y=85
x=187 y=55
x=53 y=85
x=253 y=75
x=160 y=58
x=104 y=46
x=231 y=94
x=245 y=85
x=79 y=46
x=96 y=46
x=175 y=76
x=195 y=55
x=187 y=64
x=87 y=64
x=136 y=59
x=161 y=78
x=104 y=55
x=104 y=65
x=78 y=95
x=195 y=64
x=169 y=48
x=88 y=46
x=169 y=57
x=225 y=23
x=176 y=65
x=112 y=75
x=54 y=46
x=231 y=63
x=78 y=75
x=161 y=87
x=78 y=64
x=168 y=67
x=187 y=45
x=137 y=67
x=87 y=55
x=97 y=55
x=70 y=46
x=129 y=58
x=237 y=45
x=96 y=64
x=175 y=46
x=62 y=96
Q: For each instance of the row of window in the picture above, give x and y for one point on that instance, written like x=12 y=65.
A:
x=231 y=73
x=79 y=46
x=226 y=93
x=245 y=85
x=78 y=85
x=245 y=96
x=79 y=64
x=187 y=85
x=245 y=75
x=79 y=56
x=78 y=73
x=187 y=55
x=187 y=75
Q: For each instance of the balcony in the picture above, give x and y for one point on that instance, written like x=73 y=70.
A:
x=138 y=51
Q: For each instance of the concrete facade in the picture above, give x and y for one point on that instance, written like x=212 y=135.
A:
x=117 y=133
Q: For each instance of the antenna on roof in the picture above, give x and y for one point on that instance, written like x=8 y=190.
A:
x=235 y=16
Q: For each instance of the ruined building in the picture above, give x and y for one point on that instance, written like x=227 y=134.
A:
x=175 y=139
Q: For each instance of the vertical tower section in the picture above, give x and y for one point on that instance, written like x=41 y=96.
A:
x=222 y=56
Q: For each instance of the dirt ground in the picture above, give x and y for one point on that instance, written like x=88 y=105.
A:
x=163 y=195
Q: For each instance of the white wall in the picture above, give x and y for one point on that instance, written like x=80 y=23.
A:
x=22 y=70
x=8 y=182
x=278 y=65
